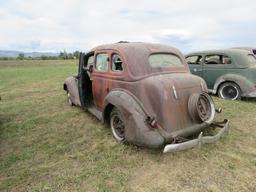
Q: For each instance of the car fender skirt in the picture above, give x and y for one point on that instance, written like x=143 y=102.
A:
x=136 y=129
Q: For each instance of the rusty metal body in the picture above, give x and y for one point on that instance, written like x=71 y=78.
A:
x=143 y=93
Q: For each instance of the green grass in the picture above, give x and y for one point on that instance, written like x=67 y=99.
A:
x=46 y=145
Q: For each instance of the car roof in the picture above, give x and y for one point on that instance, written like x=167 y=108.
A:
x=137 y=53
x=244 y=48
x=222 y=51
x=140 y=46
x=252 y=49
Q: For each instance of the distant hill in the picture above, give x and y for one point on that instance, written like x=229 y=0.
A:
x=8 y=53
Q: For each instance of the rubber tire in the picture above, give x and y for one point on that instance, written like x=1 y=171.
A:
x=116 y=113
x=234 y=85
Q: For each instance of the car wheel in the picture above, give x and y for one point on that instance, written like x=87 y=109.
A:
x=69 y=99
x=117 y=125
x=230 y=91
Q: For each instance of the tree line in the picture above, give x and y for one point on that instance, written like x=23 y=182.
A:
x=62 y=55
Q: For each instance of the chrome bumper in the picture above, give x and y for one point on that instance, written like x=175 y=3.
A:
x=200 y=140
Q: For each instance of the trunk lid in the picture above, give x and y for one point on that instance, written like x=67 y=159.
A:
x=169 y=96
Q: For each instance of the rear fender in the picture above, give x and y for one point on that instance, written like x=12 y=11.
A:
x=244 y=84
x=136 y=129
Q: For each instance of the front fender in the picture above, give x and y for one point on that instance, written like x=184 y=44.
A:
x=136 y=130
x=70 y=85
x=244 y=84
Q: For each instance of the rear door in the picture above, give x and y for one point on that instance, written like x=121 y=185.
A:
x=214 y=66
x=100 y=83
x=195 y=64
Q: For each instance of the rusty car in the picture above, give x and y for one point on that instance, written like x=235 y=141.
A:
x=146 y=94
x=229 y=73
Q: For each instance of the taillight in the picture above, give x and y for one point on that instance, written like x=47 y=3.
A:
x=152 y=122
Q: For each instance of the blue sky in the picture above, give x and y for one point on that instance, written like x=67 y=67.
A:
x=189 y=25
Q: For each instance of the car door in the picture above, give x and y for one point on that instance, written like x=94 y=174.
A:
x=214 y=66
x=80 y=78
x=84 y=82
x=195 y=64
x=100 y=78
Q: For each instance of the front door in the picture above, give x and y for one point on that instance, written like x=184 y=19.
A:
x=195 y=64
x=81 y=79
x=85 y=79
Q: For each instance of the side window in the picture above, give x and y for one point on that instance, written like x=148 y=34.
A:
x=89 y=62
x=217 y=59
x=195 y=59
x=226 y=60
x=117 y=63
x=102 y=62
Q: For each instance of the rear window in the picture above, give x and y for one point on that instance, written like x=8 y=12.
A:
x=163 y=60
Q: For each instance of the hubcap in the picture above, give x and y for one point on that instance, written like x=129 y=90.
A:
x=229 y=92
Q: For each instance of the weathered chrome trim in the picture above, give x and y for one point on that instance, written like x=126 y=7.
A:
x=174 y=92
x=199 y=141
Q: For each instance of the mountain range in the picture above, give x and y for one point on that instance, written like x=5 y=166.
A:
x=10 y=53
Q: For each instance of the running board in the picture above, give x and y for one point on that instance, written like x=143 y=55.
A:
x=97 y=113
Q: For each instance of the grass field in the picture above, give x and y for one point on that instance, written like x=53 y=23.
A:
x=46 y=145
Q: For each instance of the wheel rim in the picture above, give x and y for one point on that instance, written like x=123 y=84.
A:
x=203 y=108
x=229 y=92
x=117 y=127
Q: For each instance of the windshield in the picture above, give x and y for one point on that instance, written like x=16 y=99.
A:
x=164 y=60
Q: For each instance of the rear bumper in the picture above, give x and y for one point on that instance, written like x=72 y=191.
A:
x=224 y=127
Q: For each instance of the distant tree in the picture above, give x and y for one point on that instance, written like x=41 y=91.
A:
x=76 y=54
x=44 y=57
x=63 y=55
x=21 y=56
x=4 y=58
x=70 y=56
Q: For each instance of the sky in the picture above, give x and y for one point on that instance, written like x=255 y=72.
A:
x=189 y=25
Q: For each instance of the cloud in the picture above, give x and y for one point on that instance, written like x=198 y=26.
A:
x=75 y=24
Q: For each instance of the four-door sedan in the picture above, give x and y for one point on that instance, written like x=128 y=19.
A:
x=230 y=73
x=146 y=94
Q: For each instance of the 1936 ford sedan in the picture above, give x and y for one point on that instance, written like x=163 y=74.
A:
x=146 y=94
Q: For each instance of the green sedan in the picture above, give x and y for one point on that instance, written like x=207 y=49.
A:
x=229 y=73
